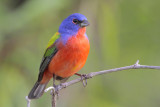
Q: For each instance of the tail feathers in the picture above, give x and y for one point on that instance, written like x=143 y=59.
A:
x=37 y=90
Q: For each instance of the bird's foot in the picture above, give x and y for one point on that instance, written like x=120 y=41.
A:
x=83 y=78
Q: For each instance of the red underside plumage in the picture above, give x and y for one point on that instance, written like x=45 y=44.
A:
x=70 y=57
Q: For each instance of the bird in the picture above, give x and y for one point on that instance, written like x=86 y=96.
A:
x=65 y=55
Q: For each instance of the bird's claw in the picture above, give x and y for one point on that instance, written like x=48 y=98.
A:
x=83 y=79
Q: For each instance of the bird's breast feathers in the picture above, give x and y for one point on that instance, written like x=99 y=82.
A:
x=72 y=56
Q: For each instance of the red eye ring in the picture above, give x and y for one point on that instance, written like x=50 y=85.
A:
x=75 y=21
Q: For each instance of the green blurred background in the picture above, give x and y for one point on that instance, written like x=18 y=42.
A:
x=120 y=32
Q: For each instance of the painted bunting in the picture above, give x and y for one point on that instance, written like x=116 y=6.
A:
x=66 y=53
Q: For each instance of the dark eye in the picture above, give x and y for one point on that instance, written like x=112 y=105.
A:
x=75 y=21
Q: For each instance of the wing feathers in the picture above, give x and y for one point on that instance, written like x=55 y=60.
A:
x=49 y=54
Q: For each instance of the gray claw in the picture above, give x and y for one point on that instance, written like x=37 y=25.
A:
x=83 y=76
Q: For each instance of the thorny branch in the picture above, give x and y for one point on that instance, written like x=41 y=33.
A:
x=92 y=74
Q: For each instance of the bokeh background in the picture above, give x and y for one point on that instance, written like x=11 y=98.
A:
x=120 y=32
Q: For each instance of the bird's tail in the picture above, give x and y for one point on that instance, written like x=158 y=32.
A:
x=37 y=90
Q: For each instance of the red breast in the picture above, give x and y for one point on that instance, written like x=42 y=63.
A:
x=70 y=57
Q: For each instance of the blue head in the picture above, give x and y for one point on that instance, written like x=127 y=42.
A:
x=72 y=24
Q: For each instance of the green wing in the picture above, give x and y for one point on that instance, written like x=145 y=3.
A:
x=49 y=53
x=50 y=47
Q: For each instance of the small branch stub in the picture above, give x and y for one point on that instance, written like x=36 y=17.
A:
x=49 y=88
x=28 y=101
x=137 y=63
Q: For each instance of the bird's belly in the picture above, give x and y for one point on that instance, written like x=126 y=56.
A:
x=69 y=60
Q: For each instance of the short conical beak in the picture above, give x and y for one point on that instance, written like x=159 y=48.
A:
x=84 y=23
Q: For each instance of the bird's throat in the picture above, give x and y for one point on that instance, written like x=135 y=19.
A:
x=82 y=31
